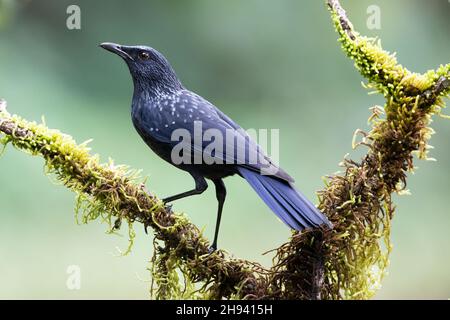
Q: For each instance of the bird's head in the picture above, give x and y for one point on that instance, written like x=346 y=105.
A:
x=148 y=67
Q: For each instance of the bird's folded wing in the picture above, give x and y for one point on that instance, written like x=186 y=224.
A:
x=196 y=115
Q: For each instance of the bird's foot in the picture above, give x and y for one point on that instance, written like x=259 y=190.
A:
x=212 y=248
x=167 y=206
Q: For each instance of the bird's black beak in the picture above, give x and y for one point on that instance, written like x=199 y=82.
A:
x=117 y=49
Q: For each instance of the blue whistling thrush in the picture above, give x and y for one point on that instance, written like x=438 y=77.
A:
x=161 y=106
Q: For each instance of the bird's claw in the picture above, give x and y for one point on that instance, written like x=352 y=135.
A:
x=145 y=227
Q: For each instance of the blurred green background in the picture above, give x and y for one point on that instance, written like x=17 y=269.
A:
x=267 y=64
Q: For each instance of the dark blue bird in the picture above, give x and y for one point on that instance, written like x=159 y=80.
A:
x=161 y=105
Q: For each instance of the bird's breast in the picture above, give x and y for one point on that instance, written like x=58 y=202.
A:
x=146 y=124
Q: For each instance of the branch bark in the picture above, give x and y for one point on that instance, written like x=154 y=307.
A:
x=315 y=264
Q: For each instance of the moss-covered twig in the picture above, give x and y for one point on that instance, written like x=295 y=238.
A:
x=346 y=262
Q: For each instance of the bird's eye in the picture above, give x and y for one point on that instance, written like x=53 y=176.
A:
x=144 y=55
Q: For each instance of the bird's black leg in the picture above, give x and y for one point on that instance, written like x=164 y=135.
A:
x=221 y=193
x=200 y=186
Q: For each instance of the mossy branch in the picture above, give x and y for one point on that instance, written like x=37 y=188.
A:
x=349 y=261
x=346 y=262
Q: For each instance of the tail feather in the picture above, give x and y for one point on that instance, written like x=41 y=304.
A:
x=271 y=202
x=285 y=201
x=284 y=207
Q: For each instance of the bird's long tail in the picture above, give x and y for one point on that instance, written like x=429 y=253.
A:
x=285 y=201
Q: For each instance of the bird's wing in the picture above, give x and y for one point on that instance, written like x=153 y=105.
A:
x=253 y=147
x=186 y=108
